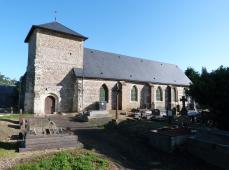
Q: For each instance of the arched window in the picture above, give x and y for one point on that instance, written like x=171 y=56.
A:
x=174 y=91
x=134 y=94
x=159 y=94
x=103 y=93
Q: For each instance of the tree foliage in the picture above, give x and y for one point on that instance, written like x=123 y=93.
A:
x=6 y=80
x=211 y=91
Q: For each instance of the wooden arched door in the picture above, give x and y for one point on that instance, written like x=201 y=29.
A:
x=49 y=105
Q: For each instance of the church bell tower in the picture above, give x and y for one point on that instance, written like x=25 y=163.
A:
x=53 y=52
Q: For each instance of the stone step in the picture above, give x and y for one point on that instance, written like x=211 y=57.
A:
x=51 y=139
x=53 y=145
x=43 y=147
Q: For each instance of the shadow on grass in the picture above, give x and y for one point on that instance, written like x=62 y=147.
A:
x=9 y=120
x=124 y=144
x=14 y=126
x=9 y=145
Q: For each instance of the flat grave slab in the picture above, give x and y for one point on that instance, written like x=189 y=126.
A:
x=211 y=146
x=95 y=114
x=168 y=139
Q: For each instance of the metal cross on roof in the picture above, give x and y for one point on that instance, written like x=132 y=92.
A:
x=55 y=12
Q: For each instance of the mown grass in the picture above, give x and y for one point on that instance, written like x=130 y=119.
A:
x=7 y=153
x=67 y=160
x=10 y=116
x=15 y=116
x=8 y=127
x=8 y=149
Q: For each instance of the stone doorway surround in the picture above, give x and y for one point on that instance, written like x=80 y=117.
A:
x=41 y=103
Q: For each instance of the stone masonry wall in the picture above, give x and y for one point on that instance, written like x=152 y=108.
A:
x=91 y=89
x=30 y=75
x=55 y=57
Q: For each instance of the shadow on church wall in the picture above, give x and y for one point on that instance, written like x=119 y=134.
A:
x=145 y=97
x=67 y=92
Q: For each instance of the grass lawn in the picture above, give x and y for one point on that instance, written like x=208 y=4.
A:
x=7 y=153
x=67 y=160
x=10 y=116
x=7 y=149
x=9 y=127
x=14 y=116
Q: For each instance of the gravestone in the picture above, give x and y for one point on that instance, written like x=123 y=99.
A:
x=183 y=110
x=43 y=135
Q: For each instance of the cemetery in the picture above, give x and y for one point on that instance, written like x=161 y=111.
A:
x=166 y=133
x=44 y=134
x=76 y=107
x=162 y=133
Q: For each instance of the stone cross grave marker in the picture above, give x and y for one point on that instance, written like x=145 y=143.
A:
x=183 y=110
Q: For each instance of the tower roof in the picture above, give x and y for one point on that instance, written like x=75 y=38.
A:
x=55 y=27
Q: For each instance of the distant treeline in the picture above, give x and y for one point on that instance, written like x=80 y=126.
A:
x=6 y=80
x=9 y=93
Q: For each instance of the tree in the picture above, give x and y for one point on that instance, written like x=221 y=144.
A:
x=211 y=91
x=6 y=80
x=192 y=74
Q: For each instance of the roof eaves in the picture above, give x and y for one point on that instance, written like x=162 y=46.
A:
x=129 y=80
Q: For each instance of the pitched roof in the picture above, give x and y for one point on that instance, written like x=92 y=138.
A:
x=55 y=27
x=105 y=65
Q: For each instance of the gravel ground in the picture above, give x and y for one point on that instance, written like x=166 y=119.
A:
x=7 y=129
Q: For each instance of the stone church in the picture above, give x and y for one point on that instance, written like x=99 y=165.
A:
x=64 y=76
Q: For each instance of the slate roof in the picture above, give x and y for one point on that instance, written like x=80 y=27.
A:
x=56 y=27
x=105 y=65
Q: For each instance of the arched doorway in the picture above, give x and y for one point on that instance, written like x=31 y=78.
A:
x=145 y=97
x=168 y=98
x=117 y=96
x=49 y=105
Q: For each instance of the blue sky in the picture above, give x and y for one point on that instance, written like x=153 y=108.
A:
x=187 y=33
